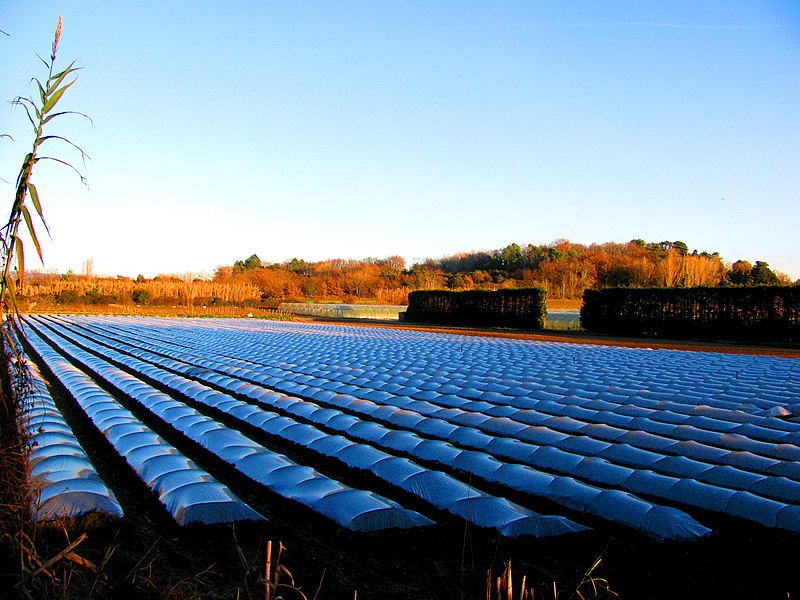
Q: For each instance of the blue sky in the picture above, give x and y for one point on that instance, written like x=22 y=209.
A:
x=368 y=129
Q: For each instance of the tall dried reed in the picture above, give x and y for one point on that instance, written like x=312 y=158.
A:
x=126 y=291
x=17 y=532
x=40 y=111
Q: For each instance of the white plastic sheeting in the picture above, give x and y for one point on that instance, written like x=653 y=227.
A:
x=63 y=482
x=671 y=523
x=594 y=471
x=463 y=500
x=189 y=493
x=358 y=510
x=706 y=430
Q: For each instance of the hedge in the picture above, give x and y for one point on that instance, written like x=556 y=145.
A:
x=765 y=313
x=519 y=308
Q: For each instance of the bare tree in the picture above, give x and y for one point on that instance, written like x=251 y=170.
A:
x=87 y=267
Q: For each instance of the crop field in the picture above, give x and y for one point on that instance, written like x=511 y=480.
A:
x=385 y=430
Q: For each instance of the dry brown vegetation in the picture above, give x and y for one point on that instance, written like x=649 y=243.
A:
x=563 y=269
x=48 y=291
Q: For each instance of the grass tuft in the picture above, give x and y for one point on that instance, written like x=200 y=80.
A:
x=589 y=586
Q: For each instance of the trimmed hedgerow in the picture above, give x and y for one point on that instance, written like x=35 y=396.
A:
x=765 y=313
x=519 y=308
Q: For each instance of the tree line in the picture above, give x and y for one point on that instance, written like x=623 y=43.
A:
x=563 y=268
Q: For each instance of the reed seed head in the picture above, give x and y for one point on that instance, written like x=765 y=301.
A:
x=55 y=40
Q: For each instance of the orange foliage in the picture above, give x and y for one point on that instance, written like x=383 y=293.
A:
x=563 y=268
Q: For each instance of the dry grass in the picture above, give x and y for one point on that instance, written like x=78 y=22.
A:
x=564 y=303
x=160 y=311
x=590 y=586
x=187 y=291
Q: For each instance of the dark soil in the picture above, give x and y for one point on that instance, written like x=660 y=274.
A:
x=152 y=560
x=146 y=555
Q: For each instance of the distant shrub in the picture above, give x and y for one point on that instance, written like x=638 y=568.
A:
x=68 y=296
x=141 y=296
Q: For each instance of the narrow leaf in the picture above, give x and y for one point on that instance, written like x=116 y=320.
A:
x=42 y=94
x=66 y=164
x=79 y=560
x=35 y=199
x=9 y=340
x=56 y=79
x=24 y=103
x=20 y=251
x=24 y=172
x=11 y=288
x=27 y=215
x=55 y=97
x=64 y=112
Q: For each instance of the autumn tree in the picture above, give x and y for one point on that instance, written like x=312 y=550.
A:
x=361 y=279
x=761 y=274
x=509 y=259
x=740 y=272
x=251 y=262
x=427 y=276
x=296 y=265
x=744 y=273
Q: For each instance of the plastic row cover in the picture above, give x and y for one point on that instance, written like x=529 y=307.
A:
x=439 y=489
x=629 y=408
x=476 y=462
x=731 y=448
x=289 y=385
x=597 y=471
x=189 y=493
x=648 y=441
x=623 y=412
x=63 y=481
x=727 y=437
x=746 y=382
x=623 y=508
x=575 y=448
x=739 y=469
x=720 y=482
x=353 y=509
x=482 y=392
x=626 y=410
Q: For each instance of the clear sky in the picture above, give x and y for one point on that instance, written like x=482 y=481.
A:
x=354 y=129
